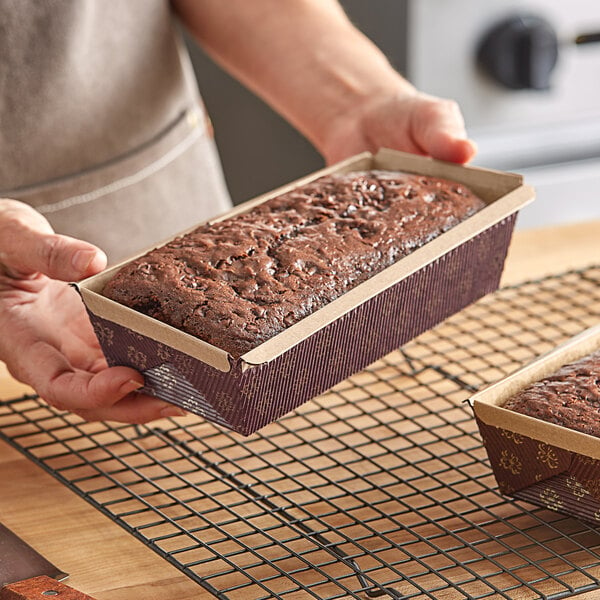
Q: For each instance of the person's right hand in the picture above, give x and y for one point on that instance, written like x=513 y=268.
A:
x=406 y=120
x=46 y=338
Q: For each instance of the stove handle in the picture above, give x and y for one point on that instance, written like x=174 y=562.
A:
x=587 y=38
x=520 y=52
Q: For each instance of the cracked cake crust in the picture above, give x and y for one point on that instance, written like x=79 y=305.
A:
x=238 y=282
x=569 y=397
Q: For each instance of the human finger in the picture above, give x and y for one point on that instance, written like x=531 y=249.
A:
x=438 y=128
x=134 y=408
x=28 y=245
x=109 y=393
x=52 y=375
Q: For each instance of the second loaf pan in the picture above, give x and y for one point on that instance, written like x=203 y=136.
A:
x=534 y=460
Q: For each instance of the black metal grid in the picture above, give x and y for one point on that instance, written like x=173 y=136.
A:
x=380 y=488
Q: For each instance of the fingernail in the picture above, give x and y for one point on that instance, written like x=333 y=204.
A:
x=173 y=411
x=82 y=259
x=130 y=386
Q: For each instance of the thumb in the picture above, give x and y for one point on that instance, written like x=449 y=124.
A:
x=28 y=245
x=438 y=128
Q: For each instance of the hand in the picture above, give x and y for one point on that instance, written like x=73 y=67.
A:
x=411 y=122
x=47 y=340
x=310 y=63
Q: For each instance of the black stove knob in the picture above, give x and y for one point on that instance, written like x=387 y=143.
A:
x=520 y=52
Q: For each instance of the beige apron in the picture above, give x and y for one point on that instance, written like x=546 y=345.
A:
x=101 y=126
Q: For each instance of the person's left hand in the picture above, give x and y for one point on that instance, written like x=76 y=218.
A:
x=411 y=122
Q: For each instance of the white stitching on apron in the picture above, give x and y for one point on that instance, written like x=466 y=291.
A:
x=132 y=179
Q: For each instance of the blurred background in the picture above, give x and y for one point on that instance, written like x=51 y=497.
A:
x=526 y=74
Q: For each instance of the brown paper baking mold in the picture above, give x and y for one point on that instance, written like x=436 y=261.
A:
x=542 y=463
x=350 y=333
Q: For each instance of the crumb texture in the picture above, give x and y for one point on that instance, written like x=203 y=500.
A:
x=238 y=282
x=570 y=397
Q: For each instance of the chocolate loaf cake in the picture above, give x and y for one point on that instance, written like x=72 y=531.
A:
x=570 y=397
x=238 y=282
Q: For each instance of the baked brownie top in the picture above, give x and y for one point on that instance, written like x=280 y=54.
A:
x=570 y=397
x=238 y=282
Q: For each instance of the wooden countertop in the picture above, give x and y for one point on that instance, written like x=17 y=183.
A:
x=107 y=562
x=539 y=252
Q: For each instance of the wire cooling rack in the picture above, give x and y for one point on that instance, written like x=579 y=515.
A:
x=378 y=489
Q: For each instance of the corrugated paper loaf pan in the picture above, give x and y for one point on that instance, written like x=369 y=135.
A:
x=371 y=320
x=533 y=460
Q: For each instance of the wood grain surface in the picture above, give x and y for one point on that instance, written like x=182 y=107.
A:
x=108 y=563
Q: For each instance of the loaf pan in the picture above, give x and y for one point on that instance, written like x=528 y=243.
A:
x=533 y=460
x=369 y=321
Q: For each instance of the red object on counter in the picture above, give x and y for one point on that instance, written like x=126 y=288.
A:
x=40 y=588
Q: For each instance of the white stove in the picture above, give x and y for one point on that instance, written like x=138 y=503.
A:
x=550 y=134
x=527 y=77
